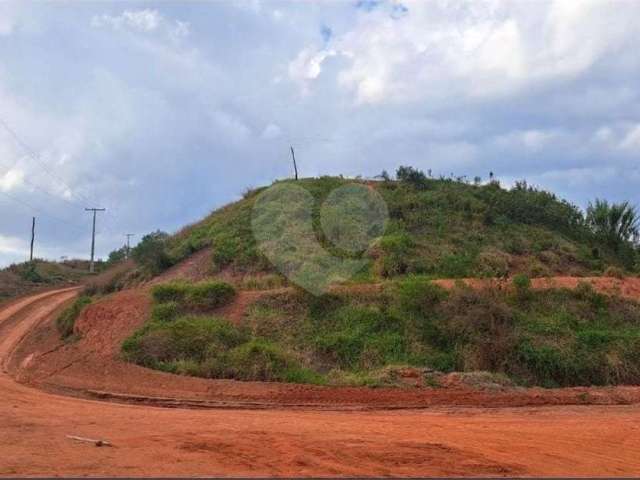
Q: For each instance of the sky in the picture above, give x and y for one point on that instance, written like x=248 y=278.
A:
x=161 y=112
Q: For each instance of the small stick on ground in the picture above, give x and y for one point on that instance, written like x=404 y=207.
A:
x=96 y=442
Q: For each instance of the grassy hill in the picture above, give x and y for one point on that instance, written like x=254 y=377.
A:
x=397 y=318
x=440 y=228
x=24 y=278
x=556 y=337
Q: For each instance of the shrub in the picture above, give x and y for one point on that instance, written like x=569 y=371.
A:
x=214 y=348
x=412 y=176
x=397 y=249
x=261 y=360
x=480 y=326
x=193 y=338
x=30 y=273
x=118 y=255
x=165 y=312
x=169 y=292
x=67 y=319
x=151 y=253
x=208 y=295
x=194 y=296
x=358 y=337
x=614 y=223
x=417 y=294
x=614 y=272
x=493 y=263
x=522 y=286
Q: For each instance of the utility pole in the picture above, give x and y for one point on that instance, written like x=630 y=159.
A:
x=129 y=235
x=93 y=234
x=295 y=167
x=33 y=236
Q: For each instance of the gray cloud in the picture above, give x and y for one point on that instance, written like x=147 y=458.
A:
x=162 y=111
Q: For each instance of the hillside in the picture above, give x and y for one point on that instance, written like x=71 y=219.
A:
x=440 y=228
x=24 y=278
x=391 y=314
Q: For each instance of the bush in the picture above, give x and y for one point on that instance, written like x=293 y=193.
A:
x=417 y=294
x=261 y=360
x=151 y=253
x=493 y=263
x=67 y=319
x=193 y=338
x=361 y=338
x=479 y=325
x=214 y=348
x=194 y=296
x=412 y=176
x=396 y=250
x=614 y=223
x=169 y=292
x=208 y=295
x=165 y=312
x=614 y=272
x=29 y=272
x=118 y=255
x=522 y=286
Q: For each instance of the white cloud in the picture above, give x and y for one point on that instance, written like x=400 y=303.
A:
x=271 y=132
x=11 y=246
x=307 y=66
x=11 y=179
x=631 y=140
x=6 y=26
x=532 y=140
x=8 y=14
x=145 y=21
x=141 y=20
x=472 y=49
x=230 y=126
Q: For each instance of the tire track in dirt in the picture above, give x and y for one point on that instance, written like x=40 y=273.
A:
x=556 y=441
x=92 y=368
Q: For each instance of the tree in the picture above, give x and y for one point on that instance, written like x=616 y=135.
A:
x=151 y=252
x=384 y=175
x=615 y=223
x=118 y=255
x=412 y=176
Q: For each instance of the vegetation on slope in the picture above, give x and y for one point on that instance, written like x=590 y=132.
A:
x=66 y=321
x=24 y=278
x=549 y=338
x=178 y=340
x=439 y=227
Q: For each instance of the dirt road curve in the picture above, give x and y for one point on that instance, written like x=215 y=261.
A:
x=553 y=440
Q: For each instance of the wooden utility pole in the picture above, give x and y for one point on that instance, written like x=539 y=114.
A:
x=33 y=236
x=129 y=235
x=93 y=235
x=295 y=167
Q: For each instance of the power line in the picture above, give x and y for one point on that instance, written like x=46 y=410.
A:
x=31 y=153
x=34 y=156
x=35 y=209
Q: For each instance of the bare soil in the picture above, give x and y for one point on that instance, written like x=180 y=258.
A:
x=258 y=429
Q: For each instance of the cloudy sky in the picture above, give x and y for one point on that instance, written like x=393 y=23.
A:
x=160 y=112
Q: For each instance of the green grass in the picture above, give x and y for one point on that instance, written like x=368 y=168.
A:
x=67 y=319
x=213 y=348
x=199 y=296
x=445 y=228
x=549 y=338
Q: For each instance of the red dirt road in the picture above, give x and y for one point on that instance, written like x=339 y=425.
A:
x=553 y=440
